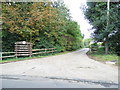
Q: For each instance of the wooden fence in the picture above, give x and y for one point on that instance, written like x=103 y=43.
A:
x=37 y=51
x=7 y=56
x=34 y=52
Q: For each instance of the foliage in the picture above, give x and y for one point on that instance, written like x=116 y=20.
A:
x=94 y=47
x=104 y=58
x=100 y=56
x=96 y=13
x=87 y=42
x=8 y=40
x=45 y=24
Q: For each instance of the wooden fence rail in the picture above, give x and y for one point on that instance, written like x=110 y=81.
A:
x=8 y=56
x=34 y=52
x=43 y=49
x=7 y=52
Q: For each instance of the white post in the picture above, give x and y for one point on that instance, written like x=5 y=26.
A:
x=108 y=8
x=106 y=42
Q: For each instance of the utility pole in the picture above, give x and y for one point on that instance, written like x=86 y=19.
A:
x=108 y=8
x=107 y=27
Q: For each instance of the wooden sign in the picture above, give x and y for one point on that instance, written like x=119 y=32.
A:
x=23 y=48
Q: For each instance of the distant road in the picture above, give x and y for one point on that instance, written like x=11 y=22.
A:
x=74 y=69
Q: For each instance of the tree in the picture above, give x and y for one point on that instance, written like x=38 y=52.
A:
x=96 y=13
x=45 y=24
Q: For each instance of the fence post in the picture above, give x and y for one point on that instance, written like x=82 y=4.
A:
x=45 y=50
x=30 y=49
x=52 y=51
x=15 y=50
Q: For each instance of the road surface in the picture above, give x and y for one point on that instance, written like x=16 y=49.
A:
x=73 y=70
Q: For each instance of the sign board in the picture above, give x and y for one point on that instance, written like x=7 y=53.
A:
x=23 y=48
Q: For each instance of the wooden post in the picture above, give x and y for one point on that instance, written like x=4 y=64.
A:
x=30 y=49
x=52 y=51
x=45 y=50
x=106 y=47
x=16 y=50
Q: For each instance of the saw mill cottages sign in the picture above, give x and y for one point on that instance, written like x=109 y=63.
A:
x=23 y=48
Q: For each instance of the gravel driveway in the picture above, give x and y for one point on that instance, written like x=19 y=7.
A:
x=75 y=65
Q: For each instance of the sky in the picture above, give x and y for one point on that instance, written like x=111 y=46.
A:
x=77 y=15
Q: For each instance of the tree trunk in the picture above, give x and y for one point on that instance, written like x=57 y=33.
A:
x=106 y=47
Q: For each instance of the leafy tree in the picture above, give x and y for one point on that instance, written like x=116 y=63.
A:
x=45 y=24
x=96 y=13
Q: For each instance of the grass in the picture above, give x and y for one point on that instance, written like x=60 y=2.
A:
x=99 y=55
x=28 y=58
x=104 y=57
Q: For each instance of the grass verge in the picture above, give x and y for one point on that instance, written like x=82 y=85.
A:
x=99 y=55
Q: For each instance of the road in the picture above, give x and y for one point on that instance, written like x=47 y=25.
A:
x=73 y=69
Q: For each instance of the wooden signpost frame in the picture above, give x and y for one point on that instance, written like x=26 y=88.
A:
x=23 y=48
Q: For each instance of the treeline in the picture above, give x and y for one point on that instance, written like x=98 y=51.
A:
x=106 y=24
x=45 y=24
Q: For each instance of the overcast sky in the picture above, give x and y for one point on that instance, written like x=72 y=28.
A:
x=77 y=14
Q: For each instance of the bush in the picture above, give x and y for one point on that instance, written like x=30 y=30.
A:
x=94 y=47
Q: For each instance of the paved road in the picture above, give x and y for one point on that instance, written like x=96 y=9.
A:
x=69 y=70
